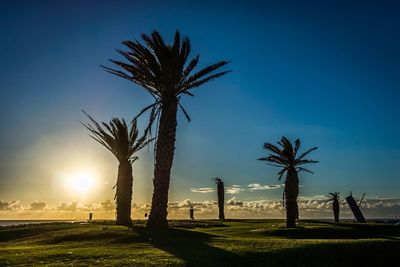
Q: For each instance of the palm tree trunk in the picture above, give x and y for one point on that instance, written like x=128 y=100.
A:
x=123 y=195
x=164 y=157
x=221 y=200
x=336 y=208
x=291 y=194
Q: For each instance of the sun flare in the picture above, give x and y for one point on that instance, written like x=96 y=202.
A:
x=83 y=182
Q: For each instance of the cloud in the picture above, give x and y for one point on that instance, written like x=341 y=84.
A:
x=202 y=190
x=10 y=205
x=256 y=186
x=107 y=205
x=234 y=202
x=36 y=205
x=316 y=206
x=73 y=206
x=234 y=189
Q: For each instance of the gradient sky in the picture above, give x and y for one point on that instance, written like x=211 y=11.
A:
x=323 y=71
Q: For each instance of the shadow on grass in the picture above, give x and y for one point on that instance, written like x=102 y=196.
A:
x=191 y=247
x=372 y=253
x=338 y=231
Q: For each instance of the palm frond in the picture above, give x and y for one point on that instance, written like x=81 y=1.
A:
x=217 y=180
x=116 y=137
x=306 y=153
x=185 y=113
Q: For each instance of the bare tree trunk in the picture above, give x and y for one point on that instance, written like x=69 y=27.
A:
x=221 y=200
x=291 y=194
x=164 y=157
x=336 y=208
x=123 y=195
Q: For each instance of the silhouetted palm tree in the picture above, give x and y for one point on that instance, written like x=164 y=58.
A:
x=123 y=144
x=221 y=197
x=166 y=74
x=335 y=205
x=286 y=158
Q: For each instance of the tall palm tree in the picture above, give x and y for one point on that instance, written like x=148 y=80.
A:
x=335 y=197
x=123 y=144
x=166 y=74
x=285 y=157
x=221 y=197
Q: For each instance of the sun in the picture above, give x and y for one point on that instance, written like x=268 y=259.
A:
x=83 y=182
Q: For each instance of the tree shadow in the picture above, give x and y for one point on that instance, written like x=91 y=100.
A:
x=384 y=253
x=192 y=247
x=340 y=231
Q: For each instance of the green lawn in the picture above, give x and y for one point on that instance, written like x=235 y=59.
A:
x=201 y=243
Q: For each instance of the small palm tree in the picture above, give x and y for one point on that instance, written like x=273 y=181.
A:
x=335 y=205
x=221 y=197
x=123 y=144
x=166 y=74
x=286 y=158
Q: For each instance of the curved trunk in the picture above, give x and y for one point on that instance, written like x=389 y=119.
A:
x=164 y=156
x=336 y=208
x=221 y=200
x=123 y=195
x=291 y=194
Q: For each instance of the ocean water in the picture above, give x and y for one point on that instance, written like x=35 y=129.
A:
x=20 y=222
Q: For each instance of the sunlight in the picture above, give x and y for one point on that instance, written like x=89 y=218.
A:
x=83 y=182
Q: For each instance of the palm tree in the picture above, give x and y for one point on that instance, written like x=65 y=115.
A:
x=335 y=205
x=123 y=144
x=221 y=197
x=166 y=74
x=285 y=157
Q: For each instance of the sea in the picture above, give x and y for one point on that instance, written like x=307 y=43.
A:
x=22 y=222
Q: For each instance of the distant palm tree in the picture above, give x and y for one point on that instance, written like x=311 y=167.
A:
x=286 y=158
x=335 y=205
x=221 y=197
x=123 y=144
x=166 y=74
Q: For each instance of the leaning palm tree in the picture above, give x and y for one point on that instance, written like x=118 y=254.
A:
x=166 y=74
x=123 y=144
x=335 y=205
x=285 y=157
x=221 y=197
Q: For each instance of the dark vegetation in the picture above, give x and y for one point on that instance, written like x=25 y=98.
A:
x=201 y=243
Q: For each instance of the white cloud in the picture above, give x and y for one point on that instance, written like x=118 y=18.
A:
x=202 y=190
x=234 y=189
x=256 y=186
x=234 y=202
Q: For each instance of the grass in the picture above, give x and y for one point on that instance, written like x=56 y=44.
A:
x=201 y=243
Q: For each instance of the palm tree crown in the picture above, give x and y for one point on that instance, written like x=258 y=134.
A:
x=285 y=156
x=334 y=196
x=163 y=70
x=217 y=180
x=116 y=137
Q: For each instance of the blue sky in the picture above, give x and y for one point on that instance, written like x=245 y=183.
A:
x=325 y=72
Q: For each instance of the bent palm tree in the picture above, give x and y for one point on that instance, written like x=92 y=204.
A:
x=221 y=197
x=166 y=74
x=123 y=144
x=286 y=158
x=335 y=205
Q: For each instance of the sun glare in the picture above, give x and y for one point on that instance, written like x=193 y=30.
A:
x=83 y=182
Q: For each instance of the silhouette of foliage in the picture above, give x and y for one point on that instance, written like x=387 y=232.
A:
x=221 y=197
x=285 y=156
x=167 y=74
x=123 y=143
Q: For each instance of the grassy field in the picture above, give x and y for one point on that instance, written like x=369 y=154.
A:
x=201 y=243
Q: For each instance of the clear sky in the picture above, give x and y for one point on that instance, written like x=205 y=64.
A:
x=322 y=71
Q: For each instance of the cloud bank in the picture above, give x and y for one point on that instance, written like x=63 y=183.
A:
x=310 y=207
